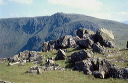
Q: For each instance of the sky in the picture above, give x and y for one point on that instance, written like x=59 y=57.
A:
x=116 y=10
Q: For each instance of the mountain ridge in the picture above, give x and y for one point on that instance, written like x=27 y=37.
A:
x=28 y=33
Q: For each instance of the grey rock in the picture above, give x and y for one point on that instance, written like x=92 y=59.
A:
x=125 y=73
x=98 y=48
x=61 y=55
x=35 y=70
x=45 y=47
x=98 y=74
x=92 y=66
x=84 y=33
x=39 y=71
x=49 y=62
x=24 y=55
x=1 y=81
x=86 y=43
x=66 y=41
x=119 y=72
x=84 y=66
x=105 y=37
x=14 y=63
x=81 y=55
x=63 y=42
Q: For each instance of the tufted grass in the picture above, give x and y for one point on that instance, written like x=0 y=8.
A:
x=17 y=73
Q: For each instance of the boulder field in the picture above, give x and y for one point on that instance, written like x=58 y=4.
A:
x=88 y=43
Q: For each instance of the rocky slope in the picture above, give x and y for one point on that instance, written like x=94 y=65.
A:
x=19 y=34
x=94 y=53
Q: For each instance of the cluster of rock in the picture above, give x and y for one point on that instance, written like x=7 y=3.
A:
x=84 y=60
x=81 y=55
x=26 y=56
x=94 y=66
x=85 y=39
x=100 y=68
x=48 y=66
x=116 y=72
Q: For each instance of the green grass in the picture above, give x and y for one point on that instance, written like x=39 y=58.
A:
x=17 y=73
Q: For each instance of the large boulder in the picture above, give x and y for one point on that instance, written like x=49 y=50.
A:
x=24 y=55
x=94 y=66
x=81 y=55
x=98 y=48
x=84 y=33
x=105 y=66
x=15 y=58
x=118 y=72
x=99 y=74
x=86 y=43
x=85 y=66
x=45 y=47
x=35 y=70
x=125 y=73
x=105 y=37
x=61 y=55
x=35 y=56
x=66 y=41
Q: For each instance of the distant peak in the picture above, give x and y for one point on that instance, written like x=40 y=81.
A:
x=59 y=14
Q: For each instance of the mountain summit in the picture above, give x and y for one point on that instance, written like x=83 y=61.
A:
x=19 y=34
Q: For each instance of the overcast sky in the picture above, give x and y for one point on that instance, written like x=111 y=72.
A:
x=107 y=9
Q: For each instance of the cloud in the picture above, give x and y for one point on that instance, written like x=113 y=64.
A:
x=124 y=13
x=85 y=4
x=2 y=2
x=117 y=16
x=103 y=15
x=22 y=1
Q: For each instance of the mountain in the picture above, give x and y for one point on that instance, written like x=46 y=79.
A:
x=28 y=33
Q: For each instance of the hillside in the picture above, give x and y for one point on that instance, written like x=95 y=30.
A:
x=19 y=34
x=87 y=57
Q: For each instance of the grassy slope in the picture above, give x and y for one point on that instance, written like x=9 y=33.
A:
x=17 y=73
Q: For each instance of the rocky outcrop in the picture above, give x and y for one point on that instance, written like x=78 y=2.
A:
x=97 y=67
x=48 y=66
x=61 y=55
x=119 y=72
x=81 y=55
x=84 y=33
x=105 y=37
x=63 y=42
x=66 y=41
x=26 y=56
x=85 y=39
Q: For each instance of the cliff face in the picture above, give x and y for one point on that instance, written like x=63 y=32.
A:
x=19 y=34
